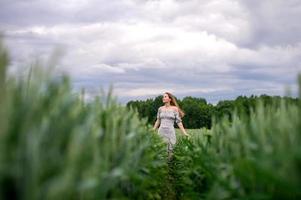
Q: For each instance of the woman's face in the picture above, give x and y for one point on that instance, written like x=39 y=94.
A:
x=166 y=98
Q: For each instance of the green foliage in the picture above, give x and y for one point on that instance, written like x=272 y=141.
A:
x=198 y=112
x=147 y=109
x=55 y=146
x=188 y=165
x=248 y=157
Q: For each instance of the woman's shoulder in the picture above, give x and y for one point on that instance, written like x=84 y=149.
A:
x=175 y=108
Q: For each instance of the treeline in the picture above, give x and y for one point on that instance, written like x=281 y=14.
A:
x=200 y=113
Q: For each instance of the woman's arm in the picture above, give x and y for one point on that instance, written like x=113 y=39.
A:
x=156 y=124
x=180 y=125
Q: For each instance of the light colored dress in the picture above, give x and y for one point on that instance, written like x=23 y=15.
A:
x=167 y=118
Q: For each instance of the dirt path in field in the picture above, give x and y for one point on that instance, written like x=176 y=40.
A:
x=170 y=193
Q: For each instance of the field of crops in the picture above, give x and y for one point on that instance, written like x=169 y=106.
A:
x=53 y=145
x=251 y=158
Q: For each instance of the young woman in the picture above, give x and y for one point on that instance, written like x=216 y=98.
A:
x=167 y=115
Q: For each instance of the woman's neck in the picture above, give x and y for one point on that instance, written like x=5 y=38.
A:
x=167 y=105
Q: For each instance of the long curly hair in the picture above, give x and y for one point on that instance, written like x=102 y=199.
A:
x=174 y=103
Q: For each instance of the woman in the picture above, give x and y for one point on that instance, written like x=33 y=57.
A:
x=166 y=116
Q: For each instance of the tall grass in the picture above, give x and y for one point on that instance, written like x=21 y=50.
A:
x=53 y=145
x=251 y=158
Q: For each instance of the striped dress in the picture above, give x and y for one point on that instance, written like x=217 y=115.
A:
x=167 y=118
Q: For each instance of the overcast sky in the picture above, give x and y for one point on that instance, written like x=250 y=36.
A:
x=215 y=49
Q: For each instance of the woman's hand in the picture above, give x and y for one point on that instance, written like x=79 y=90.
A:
x=187 y=135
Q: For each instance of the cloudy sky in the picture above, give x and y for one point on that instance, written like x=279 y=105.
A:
x=215 y=49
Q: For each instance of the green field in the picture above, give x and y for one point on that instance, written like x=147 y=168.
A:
x=53 y=145
x=190 y=131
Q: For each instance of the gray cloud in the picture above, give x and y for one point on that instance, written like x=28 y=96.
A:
x=211 y=49
x=43 y=12
x=273 y=22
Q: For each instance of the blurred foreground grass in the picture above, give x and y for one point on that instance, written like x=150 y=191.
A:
x=256 y=157
x=53 y=145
